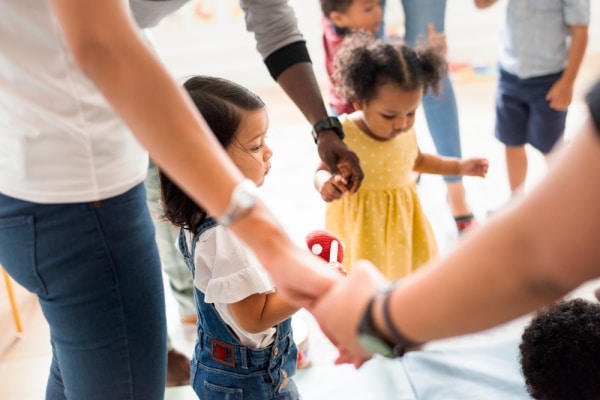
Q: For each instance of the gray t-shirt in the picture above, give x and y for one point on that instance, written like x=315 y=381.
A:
x=273 y=22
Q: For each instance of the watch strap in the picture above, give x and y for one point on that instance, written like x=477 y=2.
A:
x=401 y=343
x=369 y=337
x=328 y=122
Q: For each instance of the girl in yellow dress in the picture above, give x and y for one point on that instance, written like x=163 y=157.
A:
x=383 y=221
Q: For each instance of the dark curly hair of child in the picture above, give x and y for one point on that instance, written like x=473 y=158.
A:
x=560 y=352
x=223 y=105
x=364 y=63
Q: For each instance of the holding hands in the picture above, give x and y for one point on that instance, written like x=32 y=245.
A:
x=334 y=185
x=353 y=292
x=342 y=162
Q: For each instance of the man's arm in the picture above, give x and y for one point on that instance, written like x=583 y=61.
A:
x=283 y=49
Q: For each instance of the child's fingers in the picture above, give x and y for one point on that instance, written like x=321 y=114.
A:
x=340 y=183
x=430 y=29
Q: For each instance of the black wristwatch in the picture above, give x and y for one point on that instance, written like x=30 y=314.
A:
x=372 y=339
x=332 y=123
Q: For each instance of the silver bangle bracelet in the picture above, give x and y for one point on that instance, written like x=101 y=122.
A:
x=243 y=199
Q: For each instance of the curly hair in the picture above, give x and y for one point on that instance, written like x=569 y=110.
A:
x=560 y=352
x=364 y=63
x=222 y=103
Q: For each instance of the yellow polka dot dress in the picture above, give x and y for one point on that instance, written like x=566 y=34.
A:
x=383 y=222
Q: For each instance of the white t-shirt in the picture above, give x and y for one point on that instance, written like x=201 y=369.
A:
x=60 y=141
x=227 y=271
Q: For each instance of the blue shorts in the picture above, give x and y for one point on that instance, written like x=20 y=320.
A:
x=523 y=115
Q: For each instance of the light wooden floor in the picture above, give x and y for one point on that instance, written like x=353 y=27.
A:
x=24 y=361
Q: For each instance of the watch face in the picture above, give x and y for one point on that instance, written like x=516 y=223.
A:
x=328 y=123
x=246 y=200
x=375 y=345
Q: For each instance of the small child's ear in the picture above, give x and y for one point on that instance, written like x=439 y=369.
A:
x=358 y=105
x=338 y=19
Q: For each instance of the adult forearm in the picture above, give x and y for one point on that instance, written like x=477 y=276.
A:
x=469 y=291
x=527 y=256
x=300 y=84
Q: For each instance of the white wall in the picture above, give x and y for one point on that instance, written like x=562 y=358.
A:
x=220 y=45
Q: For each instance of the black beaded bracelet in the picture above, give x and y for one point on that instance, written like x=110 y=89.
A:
x=401 y=343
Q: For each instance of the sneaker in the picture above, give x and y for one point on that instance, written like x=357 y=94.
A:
x=465 y=223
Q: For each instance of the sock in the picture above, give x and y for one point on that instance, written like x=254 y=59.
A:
x=464 y=222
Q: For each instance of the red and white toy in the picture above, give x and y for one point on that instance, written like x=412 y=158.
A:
x=325 y=245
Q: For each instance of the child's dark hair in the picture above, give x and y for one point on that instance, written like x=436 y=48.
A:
x=560 y=351
x=327 y=6
x=364 y=63
x=222 y=103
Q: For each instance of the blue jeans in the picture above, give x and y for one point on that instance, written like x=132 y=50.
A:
x=95 y=269
x=440 y=110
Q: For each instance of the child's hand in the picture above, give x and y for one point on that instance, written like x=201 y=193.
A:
x=435 y=38
x=474 y=167
x=333 y=188
x=560 y=95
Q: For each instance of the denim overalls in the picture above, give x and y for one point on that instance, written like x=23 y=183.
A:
x=222 y=368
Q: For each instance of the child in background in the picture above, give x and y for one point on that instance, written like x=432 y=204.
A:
x=244 y=345
x=542 y=45
x=383 y=221
x=560 y=352
x=341 y=17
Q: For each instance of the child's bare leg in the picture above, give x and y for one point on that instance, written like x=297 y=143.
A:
x=516 y=166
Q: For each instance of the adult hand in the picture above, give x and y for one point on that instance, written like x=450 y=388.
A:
x=340 y=160
x=339 y=310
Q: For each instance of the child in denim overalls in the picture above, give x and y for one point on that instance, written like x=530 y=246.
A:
x=244 y=348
